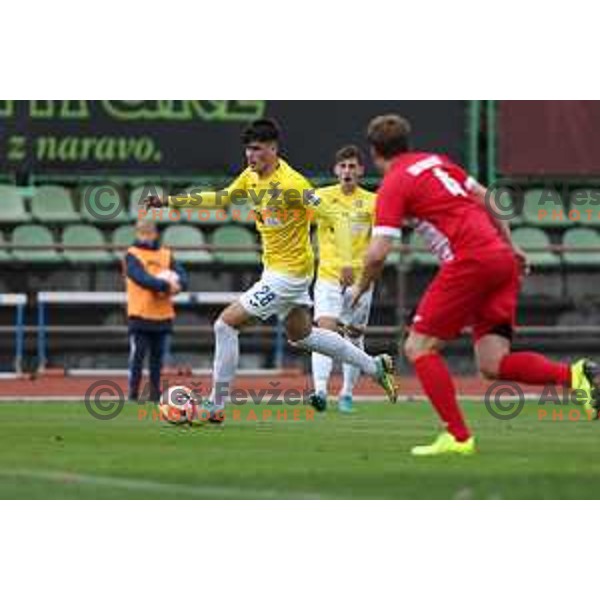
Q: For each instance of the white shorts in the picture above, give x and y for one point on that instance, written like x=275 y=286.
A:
x=330 y=302
x=275 y=295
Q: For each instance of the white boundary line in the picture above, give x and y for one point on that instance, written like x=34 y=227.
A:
x=142 y=485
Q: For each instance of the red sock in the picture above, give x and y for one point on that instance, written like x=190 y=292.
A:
x=535 y=369
x=438 y=385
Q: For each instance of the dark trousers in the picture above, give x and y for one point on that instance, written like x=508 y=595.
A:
x=141 y=343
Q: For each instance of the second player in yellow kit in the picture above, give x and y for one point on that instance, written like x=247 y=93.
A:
x=284 y=205
x=359 y=206
x=333 y=300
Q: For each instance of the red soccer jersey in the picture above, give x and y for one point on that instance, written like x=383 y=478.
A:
x=431 y=193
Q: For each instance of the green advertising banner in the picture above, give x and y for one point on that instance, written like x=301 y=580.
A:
x=197 y=137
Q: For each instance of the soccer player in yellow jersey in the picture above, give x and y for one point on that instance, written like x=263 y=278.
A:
x=284 y=203
x=332 y=297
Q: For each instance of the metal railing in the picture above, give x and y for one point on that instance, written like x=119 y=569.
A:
x=18 y=302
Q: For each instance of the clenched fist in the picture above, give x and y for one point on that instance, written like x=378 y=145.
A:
x=154 y=202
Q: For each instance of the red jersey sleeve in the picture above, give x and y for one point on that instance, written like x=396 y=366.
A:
x=391 y=206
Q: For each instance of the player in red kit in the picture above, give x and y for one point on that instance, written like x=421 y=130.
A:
x=477 y=285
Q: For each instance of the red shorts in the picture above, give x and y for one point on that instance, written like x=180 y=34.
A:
x=479 y=292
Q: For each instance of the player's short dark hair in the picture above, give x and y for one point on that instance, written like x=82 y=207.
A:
x=348 y=153
x=261 y=130
x=389 y=135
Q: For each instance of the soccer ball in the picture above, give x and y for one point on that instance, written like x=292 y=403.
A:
x=178 y=406
x=169 y=276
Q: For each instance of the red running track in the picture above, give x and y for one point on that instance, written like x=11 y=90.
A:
x=60 y=386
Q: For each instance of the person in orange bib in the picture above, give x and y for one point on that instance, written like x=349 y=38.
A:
x=153 y=279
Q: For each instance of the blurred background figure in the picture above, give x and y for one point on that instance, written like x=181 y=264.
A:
x=153 y=279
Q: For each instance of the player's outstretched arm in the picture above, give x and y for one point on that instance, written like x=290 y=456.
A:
x=208 y=200
x=377 y=252
x=202 y=199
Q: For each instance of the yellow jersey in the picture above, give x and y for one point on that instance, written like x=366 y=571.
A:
x=360 y=208
x=283 y=206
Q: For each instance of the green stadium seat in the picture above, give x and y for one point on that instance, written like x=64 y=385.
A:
x=35 y=235
x=582 y=237
x=508 y=208
x=186 y=235
x=53 y=204
x=85 y=235
x=123 y=236
x=203 y=217
x=12 y=205
x=533 y=241
x=545 y=208
x=424 y=258
x=141 y=192
x=235 y=235
x=103 y=205
x=240 y=214
x=585 y=204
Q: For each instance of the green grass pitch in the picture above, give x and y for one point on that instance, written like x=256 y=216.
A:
x=57 y=450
